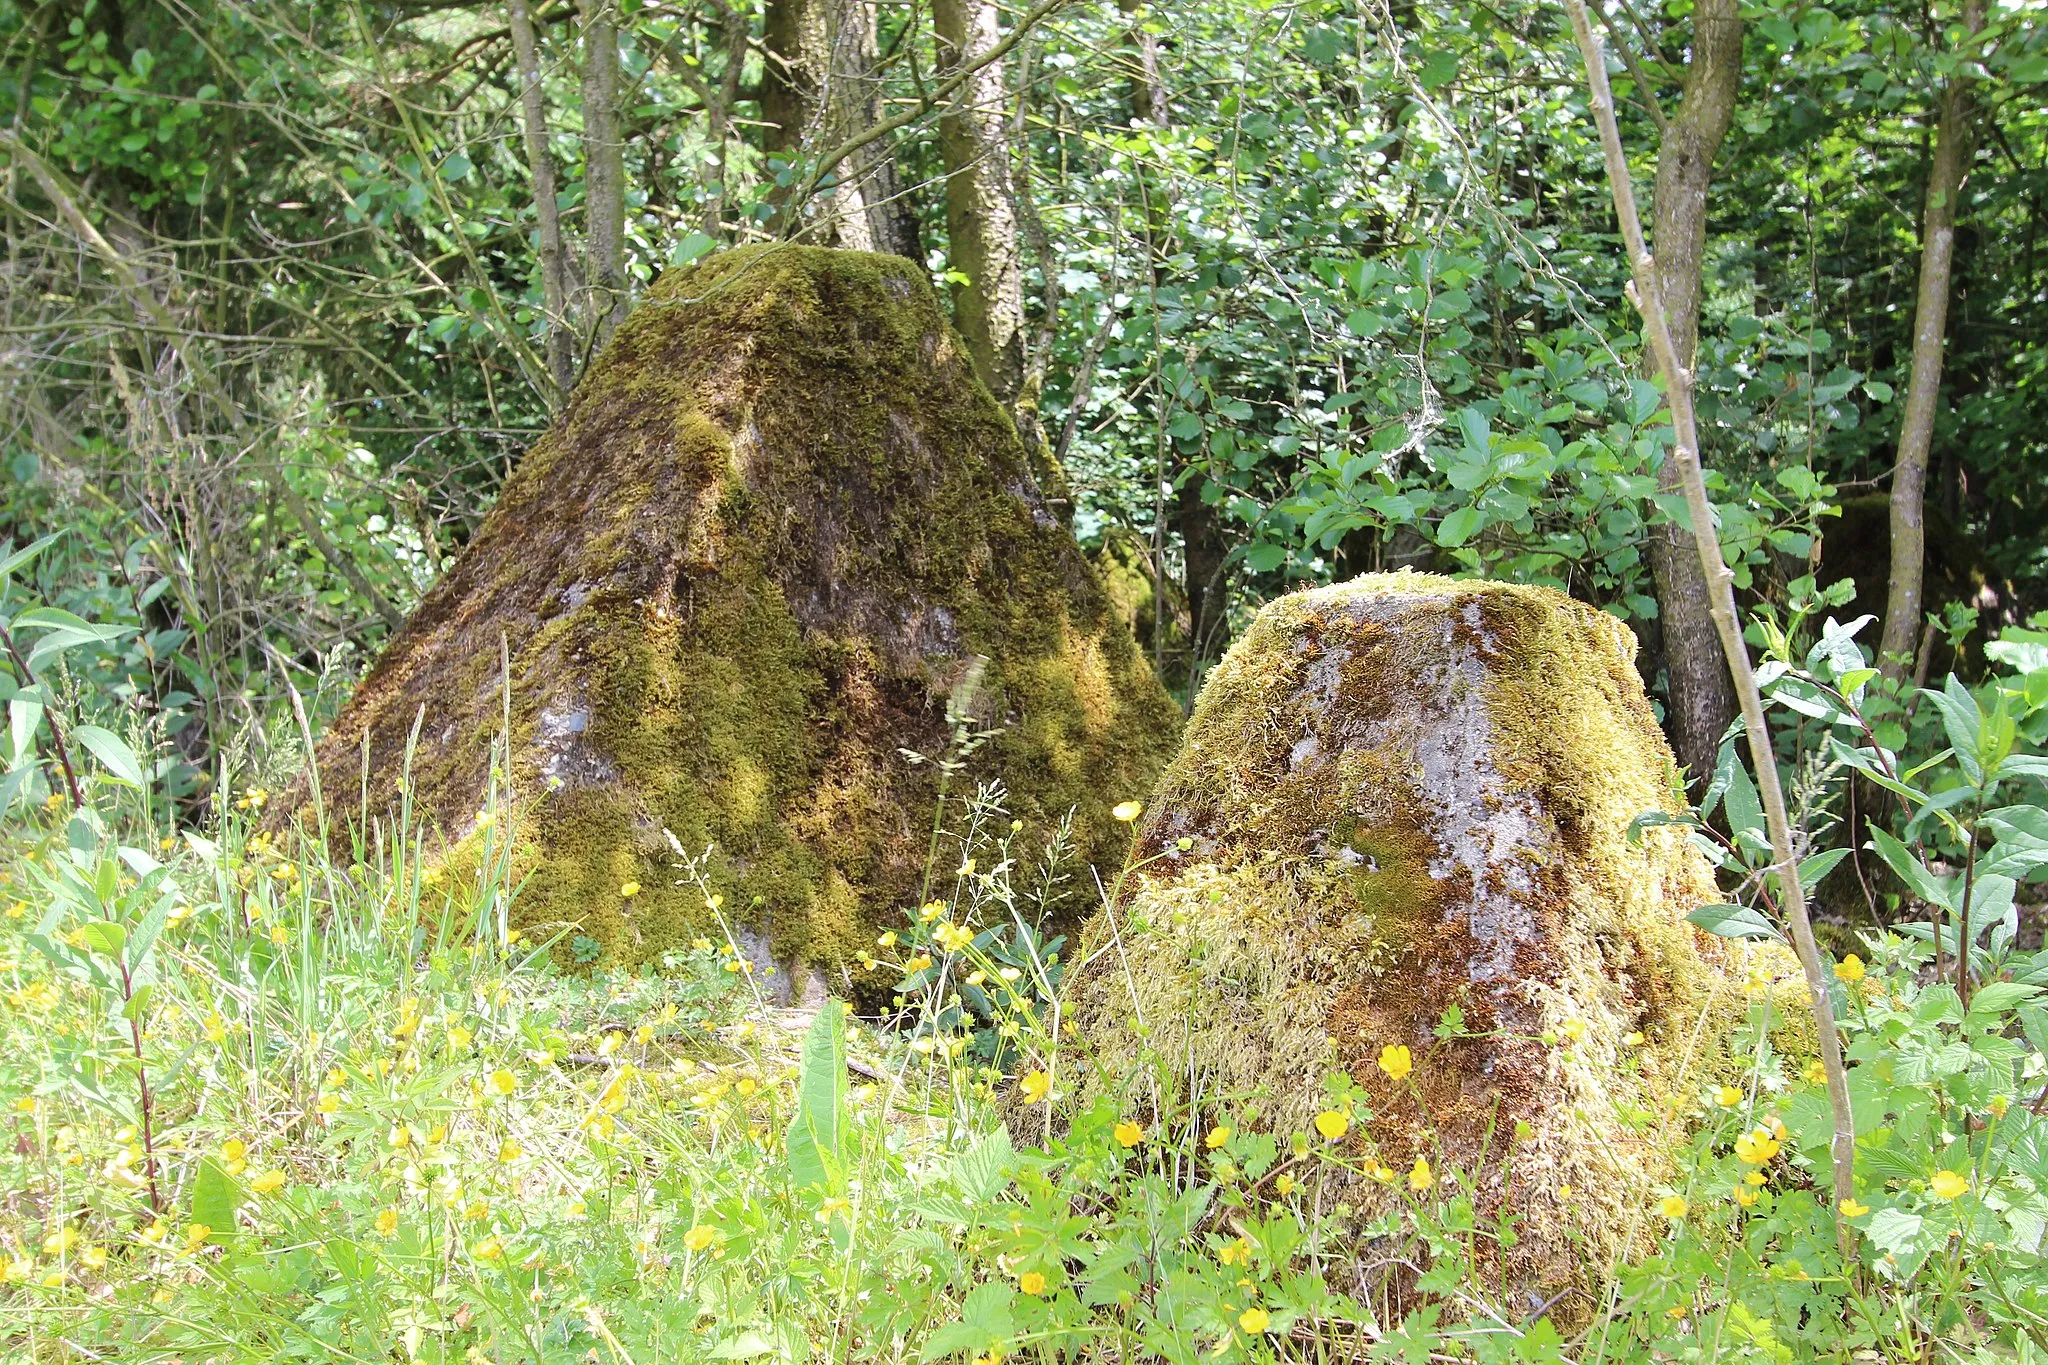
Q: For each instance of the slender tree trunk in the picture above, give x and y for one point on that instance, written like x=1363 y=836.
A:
x=1204 y=550
x=981 y=203
x=1951 y=160
x=1701 y=696
x=554 y=277
x=604 y=180
x=821 y=88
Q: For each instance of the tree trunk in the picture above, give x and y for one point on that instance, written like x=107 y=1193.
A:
x=554 y=276
x=1701 y=697
x=604 y=187
x=1903 y=601
x=981 y=205
x=821 y=88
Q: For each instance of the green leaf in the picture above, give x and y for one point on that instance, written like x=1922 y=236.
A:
x=113 y=752
x=1745 y=810
x=1365 y=322
x=1816 y=867
x=1265 y=558
x=1457 y=528
x=1439 y=69
x=1733 y=921
x=1996 y=997
x=1911 y=870
x=214 y=1198
x=813 y=1143
x=985 y=1321
x=26 y=553
x=104 y=937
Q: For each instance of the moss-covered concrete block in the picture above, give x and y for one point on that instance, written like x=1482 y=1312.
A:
x=767 y=540
x=1404 y=802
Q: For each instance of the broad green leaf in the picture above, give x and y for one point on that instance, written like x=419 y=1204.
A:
x=113 y=752
x=1995 y=998
x=986 y=1320
x=813 y=1143
x=1455 y=529
x=104 y=937
x=214 y=1198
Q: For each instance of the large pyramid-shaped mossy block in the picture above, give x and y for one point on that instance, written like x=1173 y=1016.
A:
x=1401 y=817
x=778 y=530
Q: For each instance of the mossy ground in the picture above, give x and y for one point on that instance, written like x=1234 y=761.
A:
x=739 y=576
x=1403 y=801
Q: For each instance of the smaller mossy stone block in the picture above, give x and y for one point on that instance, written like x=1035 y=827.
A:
x=778 y=531
x=1405 y=801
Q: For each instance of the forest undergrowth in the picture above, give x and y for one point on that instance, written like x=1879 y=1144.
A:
x=266 y=1103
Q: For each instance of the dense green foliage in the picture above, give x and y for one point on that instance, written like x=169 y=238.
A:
x=1310 y=287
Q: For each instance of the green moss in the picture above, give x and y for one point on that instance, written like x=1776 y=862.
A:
x=1406 y=798
x=739 y=575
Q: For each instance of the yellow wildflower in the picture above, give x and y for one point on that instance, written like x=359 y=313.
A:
x=508 y=1151
x=1035 y=1086
x=629 y=890
x=700 y=1237
x=1130 y=1133
x=1728 y=1097
x=1396 y=1062
x=1285 y=1184
x=1852 y=1208
x=1253 y=1320
x=1756 y=1146
x=1949 y=1184
x=1032 y=1282
x=1850 y=968
x=1127 y=811
x=1671 y=1206
x=1420 y=1177
x=503 y=1081
x=1333 y=1124
x=1218 y=1135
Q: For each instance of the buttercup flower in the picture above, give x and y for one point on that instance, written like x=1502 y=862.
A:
x=1130 y=1133
x=1853 y=1209
x=1671 y=1206
x=1333 y=1124
x=1396 y=1061
x=1031 y=1282
x=1850 y=968
x=1254 y=1320
x=1420 y=1177
x=700 y=1237
x=1218 y=1135
x=1127 y=811
x=1949 y=1185
x=1728 y=1097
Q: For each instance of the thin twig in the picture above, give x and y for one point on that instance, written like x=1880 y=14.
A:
x=1644 y=294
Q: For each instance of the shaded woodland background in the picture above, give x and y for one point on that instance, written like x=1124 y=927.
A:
x=1277 y=293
